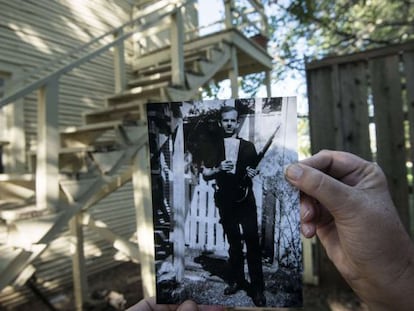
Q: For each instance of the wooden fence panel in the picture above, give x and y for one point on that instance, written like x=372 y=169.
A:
x=203 y=230
x=341 y=90
x=353 y=114
x=389 y=120
x=320 y=109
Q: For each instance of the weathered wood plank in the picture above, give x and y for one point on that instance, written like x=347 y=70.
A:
x=389 y=119
x=353 y=105
x=408 y=58
x=321 y=114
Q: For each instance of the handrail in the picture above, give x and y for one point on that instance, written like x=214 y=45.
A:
x=36 y=83
x=161 y=5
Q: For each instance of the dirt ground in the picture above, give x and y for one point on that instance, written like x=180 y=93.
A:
x=124 y=279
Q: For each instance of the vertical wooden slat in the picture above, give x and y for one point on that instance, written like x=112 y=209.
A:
x=353 y=92
x=144 y=220
x=178 y=200
x=408 y=58
x=389 y=118
x=321 y=118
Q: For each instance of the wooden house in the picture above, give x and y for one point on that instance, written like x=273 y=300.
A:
x=74 y=76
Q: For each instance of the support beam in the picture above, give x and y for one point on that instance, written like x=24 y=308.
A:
x=119 y=64
x=145 y=226
x=48 y=141
x=80 y=285
x=234 y=72
x=177 y=49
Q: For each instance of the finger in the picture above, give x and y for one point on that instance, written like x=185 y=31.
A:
x=188 y=305
x=340 y=165
x=330 y=192
x=149 y=304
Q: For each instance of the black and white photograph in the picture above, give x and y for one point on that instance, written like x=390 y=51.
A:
x=226 y=222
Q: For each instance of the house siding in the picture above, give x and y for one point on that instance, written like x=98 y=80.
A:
x=32 y=33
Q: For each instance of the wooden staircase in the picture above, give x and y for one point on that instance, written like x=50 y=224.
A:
x=94 y=160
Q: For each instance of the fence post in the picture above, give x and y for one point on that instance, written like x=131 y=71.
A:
x=119 y=64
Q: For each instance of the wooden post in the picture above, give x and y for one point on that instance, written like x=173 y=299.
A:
x=177 y=48
x=145 y=226
x=268 y=81
x=48 y=142
x=389 y=126
x=178 y=200
x=228 y=14
x=119 y=64
x=234 y=72
x=80 y=285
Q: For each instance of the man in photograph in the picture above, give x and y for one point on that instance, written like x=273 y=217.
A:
x=232 y=165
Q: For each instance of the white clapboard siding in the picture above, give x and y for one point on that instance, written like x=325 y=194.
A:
x=34 y=33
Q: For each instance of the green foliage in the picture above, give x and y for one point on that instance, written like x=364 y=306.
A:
x=314 y=29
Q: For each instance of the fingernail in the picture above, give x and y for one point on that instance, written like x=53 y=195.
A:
x=307 y=230
x=294 y=172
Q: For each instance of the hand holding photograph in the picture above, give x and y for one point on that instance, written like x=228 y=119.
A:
x=226 y=222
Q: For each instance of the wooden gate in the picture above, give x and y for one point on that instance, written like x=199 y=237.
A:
x=202 y=228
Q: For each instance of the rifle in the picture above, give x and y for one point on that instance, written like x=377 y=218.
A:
x=243 y=187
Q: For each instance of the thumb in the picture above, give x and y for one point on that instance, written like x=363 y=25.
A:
x=329 y=191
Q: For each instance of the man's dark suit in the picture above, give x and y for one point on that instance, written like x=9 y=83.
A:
x=234 y=214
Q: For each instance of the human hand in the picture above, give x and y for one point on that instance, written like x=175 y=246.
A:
x=226 y=166
x=251 y=172
x=346 y=203
x=150 y=305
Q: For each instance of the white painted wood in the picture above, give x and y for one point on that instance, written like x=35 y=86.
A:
x=119 y=64
x=145 y=226
x=47 y=169
x=80 y=284
x=107 y=160
x=177 y=50
x=127 y=247
x=234 y=73
x=178 y=200
x=76 y=189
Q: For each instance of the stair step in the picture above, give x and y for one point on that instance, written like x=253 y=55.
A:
x=13 y=260
x=165 y=67
x=88 y=134
x=150 y=92
x=17 y=188
x=71 y=160
x=128 y=111
x=28 y=231
x=11 y=212
x=148 y=79
x=4 y=142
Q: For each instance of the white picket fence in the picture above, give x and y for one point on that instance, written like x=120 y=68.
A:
x=202 y=228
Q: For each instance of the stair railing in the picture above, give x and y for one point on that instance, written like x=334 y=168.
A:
x=48 y=138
